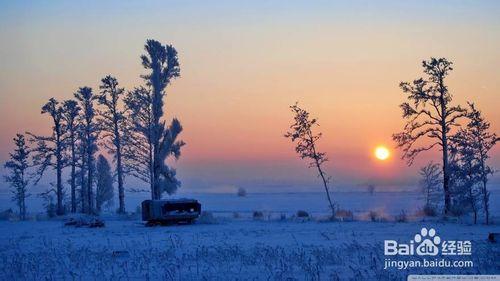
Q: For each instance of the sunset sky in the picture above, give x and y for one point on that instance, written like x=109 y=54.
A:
x=243 y=63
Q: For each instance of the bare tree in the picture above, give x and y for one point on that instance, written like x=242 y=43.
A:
x=113 y=127
x=431 y=182
x=18 y=178
x=71 y=111
x=104 y=182
x=163 y=64
x=50 y=151
x=430 y=115
x=89 y=135
x=473 y=144
x=301 y=133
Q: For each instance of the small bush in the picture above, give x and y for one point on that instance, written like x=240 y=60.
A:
x=84 y=221
x=344 y=215
x=374 y=216
x=7 y=215
x=50 y=208
x=241 y=192
x=302 y=214
x=258 y=215
x=207 y=217
x=429 y=211
x=236 y=215
x=402 y=217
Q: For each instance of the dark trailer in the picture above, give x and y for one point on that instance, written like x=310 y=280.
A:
x=170 y=211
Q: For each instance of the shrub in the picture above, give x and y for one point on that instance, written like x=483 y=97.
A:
x=50 y=208
x=429 y=211
x=84 y=221
x=207 y=217
x=402 y=217
x=344 y=215
x=236 y=215
x=302 y=214
x=257 y=215
x=374 y=216
x=241 y=192
x=7 y=215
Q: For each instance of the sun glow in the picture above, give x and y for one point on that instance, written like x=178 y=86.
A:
x=382 y=153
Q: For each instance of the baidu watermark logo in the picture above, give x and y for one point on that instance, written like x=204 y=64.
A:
x=427 y=243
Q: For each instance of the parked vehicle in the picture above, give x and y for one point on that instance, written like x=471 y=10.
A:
x=170 y=211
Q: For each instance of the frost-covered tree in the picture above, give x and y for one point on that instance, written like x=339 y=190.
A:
x=431 y=182
x=18 y=177
x=50 y=151
x=82 y=168
x=90 y=131
x=71 y=111
x=113 y=128
x=138 y=153
x=464 y=178
x=473 y=144
x=162 y=65
x=104 y=182
x=430 y=115
x=302 y=134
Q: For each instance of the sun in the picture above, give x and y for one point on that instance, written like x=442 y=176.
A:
x=382 y=153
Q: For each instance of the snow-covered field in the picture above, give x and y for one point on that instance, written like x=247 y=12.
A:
x=237 y=247
x=229 y=249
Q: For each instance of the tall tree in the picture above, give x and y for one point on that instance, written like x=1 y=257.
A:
x=18 y=178
x=71 y=111
x=475 y=142
x=430 y=115
x=90 y=129
x=50 y=151
x=139 y=149
x=113 y=127
x=301 y=133
x=104 y=182
x=163 y=66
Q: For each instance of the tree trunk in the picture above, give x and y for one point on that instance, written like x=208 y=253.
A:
x=89 y=184
x=60 y=207
x=444 y=138
x=22 y=208
x=121 y=192
x=486 y=203
x=73 y=175
x=83 y=191
x=97 y=204
x=332 y=207
x=151 y=173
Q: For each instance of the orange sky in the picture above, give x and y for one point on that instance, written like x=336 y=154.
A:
x=242 y=65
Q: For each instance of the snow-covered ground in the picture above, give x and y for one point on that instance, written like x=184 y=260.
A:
x=234 y=246
x=228 y=249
